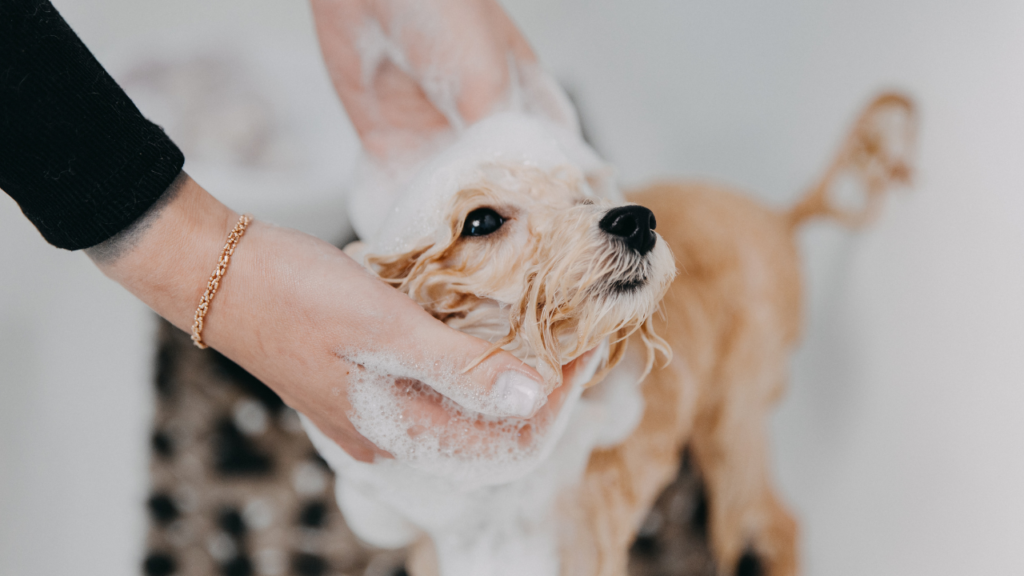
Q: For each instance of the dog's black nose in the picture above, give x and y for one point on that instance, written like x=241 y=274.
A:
x=634 y=224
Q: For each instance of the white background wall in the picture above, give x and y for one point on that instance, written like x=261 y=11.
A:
x=900 y=444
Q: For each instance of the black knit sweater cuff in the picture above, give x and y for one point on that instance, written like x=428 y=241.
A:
x=75 y=153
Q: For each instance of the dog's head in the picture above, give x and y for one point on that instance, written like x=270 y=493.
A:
x=531 y=260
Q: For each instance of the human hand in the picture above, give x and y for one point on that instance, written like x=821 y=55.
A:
x=408 y=70
x=291 y=309
x=465 y=433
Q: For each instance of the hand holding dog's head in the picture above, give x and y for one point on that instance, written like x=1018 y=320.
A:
x=511 y=233
x=530 y=260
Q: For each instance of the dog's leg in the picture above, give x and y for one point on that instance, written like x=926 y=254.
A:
x=752 y=533
x=621 y=483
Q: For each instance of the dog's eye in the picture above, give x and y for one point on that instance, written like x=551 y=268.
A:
x=481 y=222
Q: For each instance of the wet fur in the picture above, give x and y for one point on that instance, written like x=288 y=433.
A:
x=732 y=316
x=554 y=295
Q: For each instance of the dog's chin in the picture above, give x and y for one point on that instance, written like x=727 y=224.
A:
x=628 y=285
x=645 y=285
x=647 y=276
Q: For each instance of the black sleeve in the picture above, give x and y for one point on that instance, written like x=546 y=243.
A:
x=75 y=153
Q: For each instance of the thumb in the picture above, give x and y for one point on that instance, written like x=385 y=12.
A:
x=431 y=352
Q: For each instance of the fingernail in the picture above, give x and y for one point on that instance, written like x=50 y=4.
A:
x=518 y=395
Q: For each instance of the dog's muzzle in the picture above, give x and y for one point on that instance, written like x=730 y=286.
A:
x=634 y=224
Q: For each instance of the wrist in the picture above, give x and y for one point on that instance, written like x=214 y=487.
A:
x=167 y=260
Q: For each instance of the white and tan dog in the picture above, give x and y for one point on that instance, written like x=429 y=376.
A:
x=512 y=233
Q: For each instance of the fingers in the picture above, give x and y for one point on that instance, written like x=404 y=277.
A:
x=355 y=444
x=423 y=412
x=349 y=439
x=427 y=414
x=437 y=355
x=388 y=334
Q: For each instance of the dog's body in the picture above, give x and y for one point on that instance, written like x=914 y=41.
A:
x=731 y=316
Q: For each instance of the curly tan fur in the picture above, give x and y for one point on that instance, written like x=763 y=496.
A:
x=732 y=316
x=551 y=299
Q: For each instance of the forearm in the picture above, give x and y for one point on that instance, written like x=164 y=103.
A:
x=291 y=309
x=78 y=157
x=166 y=257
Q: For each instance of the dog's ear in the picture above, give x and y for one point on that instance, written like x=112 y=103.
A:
x=397 y=268
x=403 y=269
x=406 y=269
x=422 y=274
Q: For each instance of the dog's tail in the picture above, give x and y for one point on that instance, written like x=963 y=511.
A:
x=875 y=157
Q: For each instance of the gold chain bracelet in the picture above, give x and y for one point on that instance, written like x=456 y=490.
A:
x=218 y=274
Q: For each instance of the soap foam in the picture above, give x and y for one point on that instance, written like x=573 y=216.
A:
x=418 y=197
x=467 y=447
x=483 y=488
x=395 y=200
x=477 y=526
